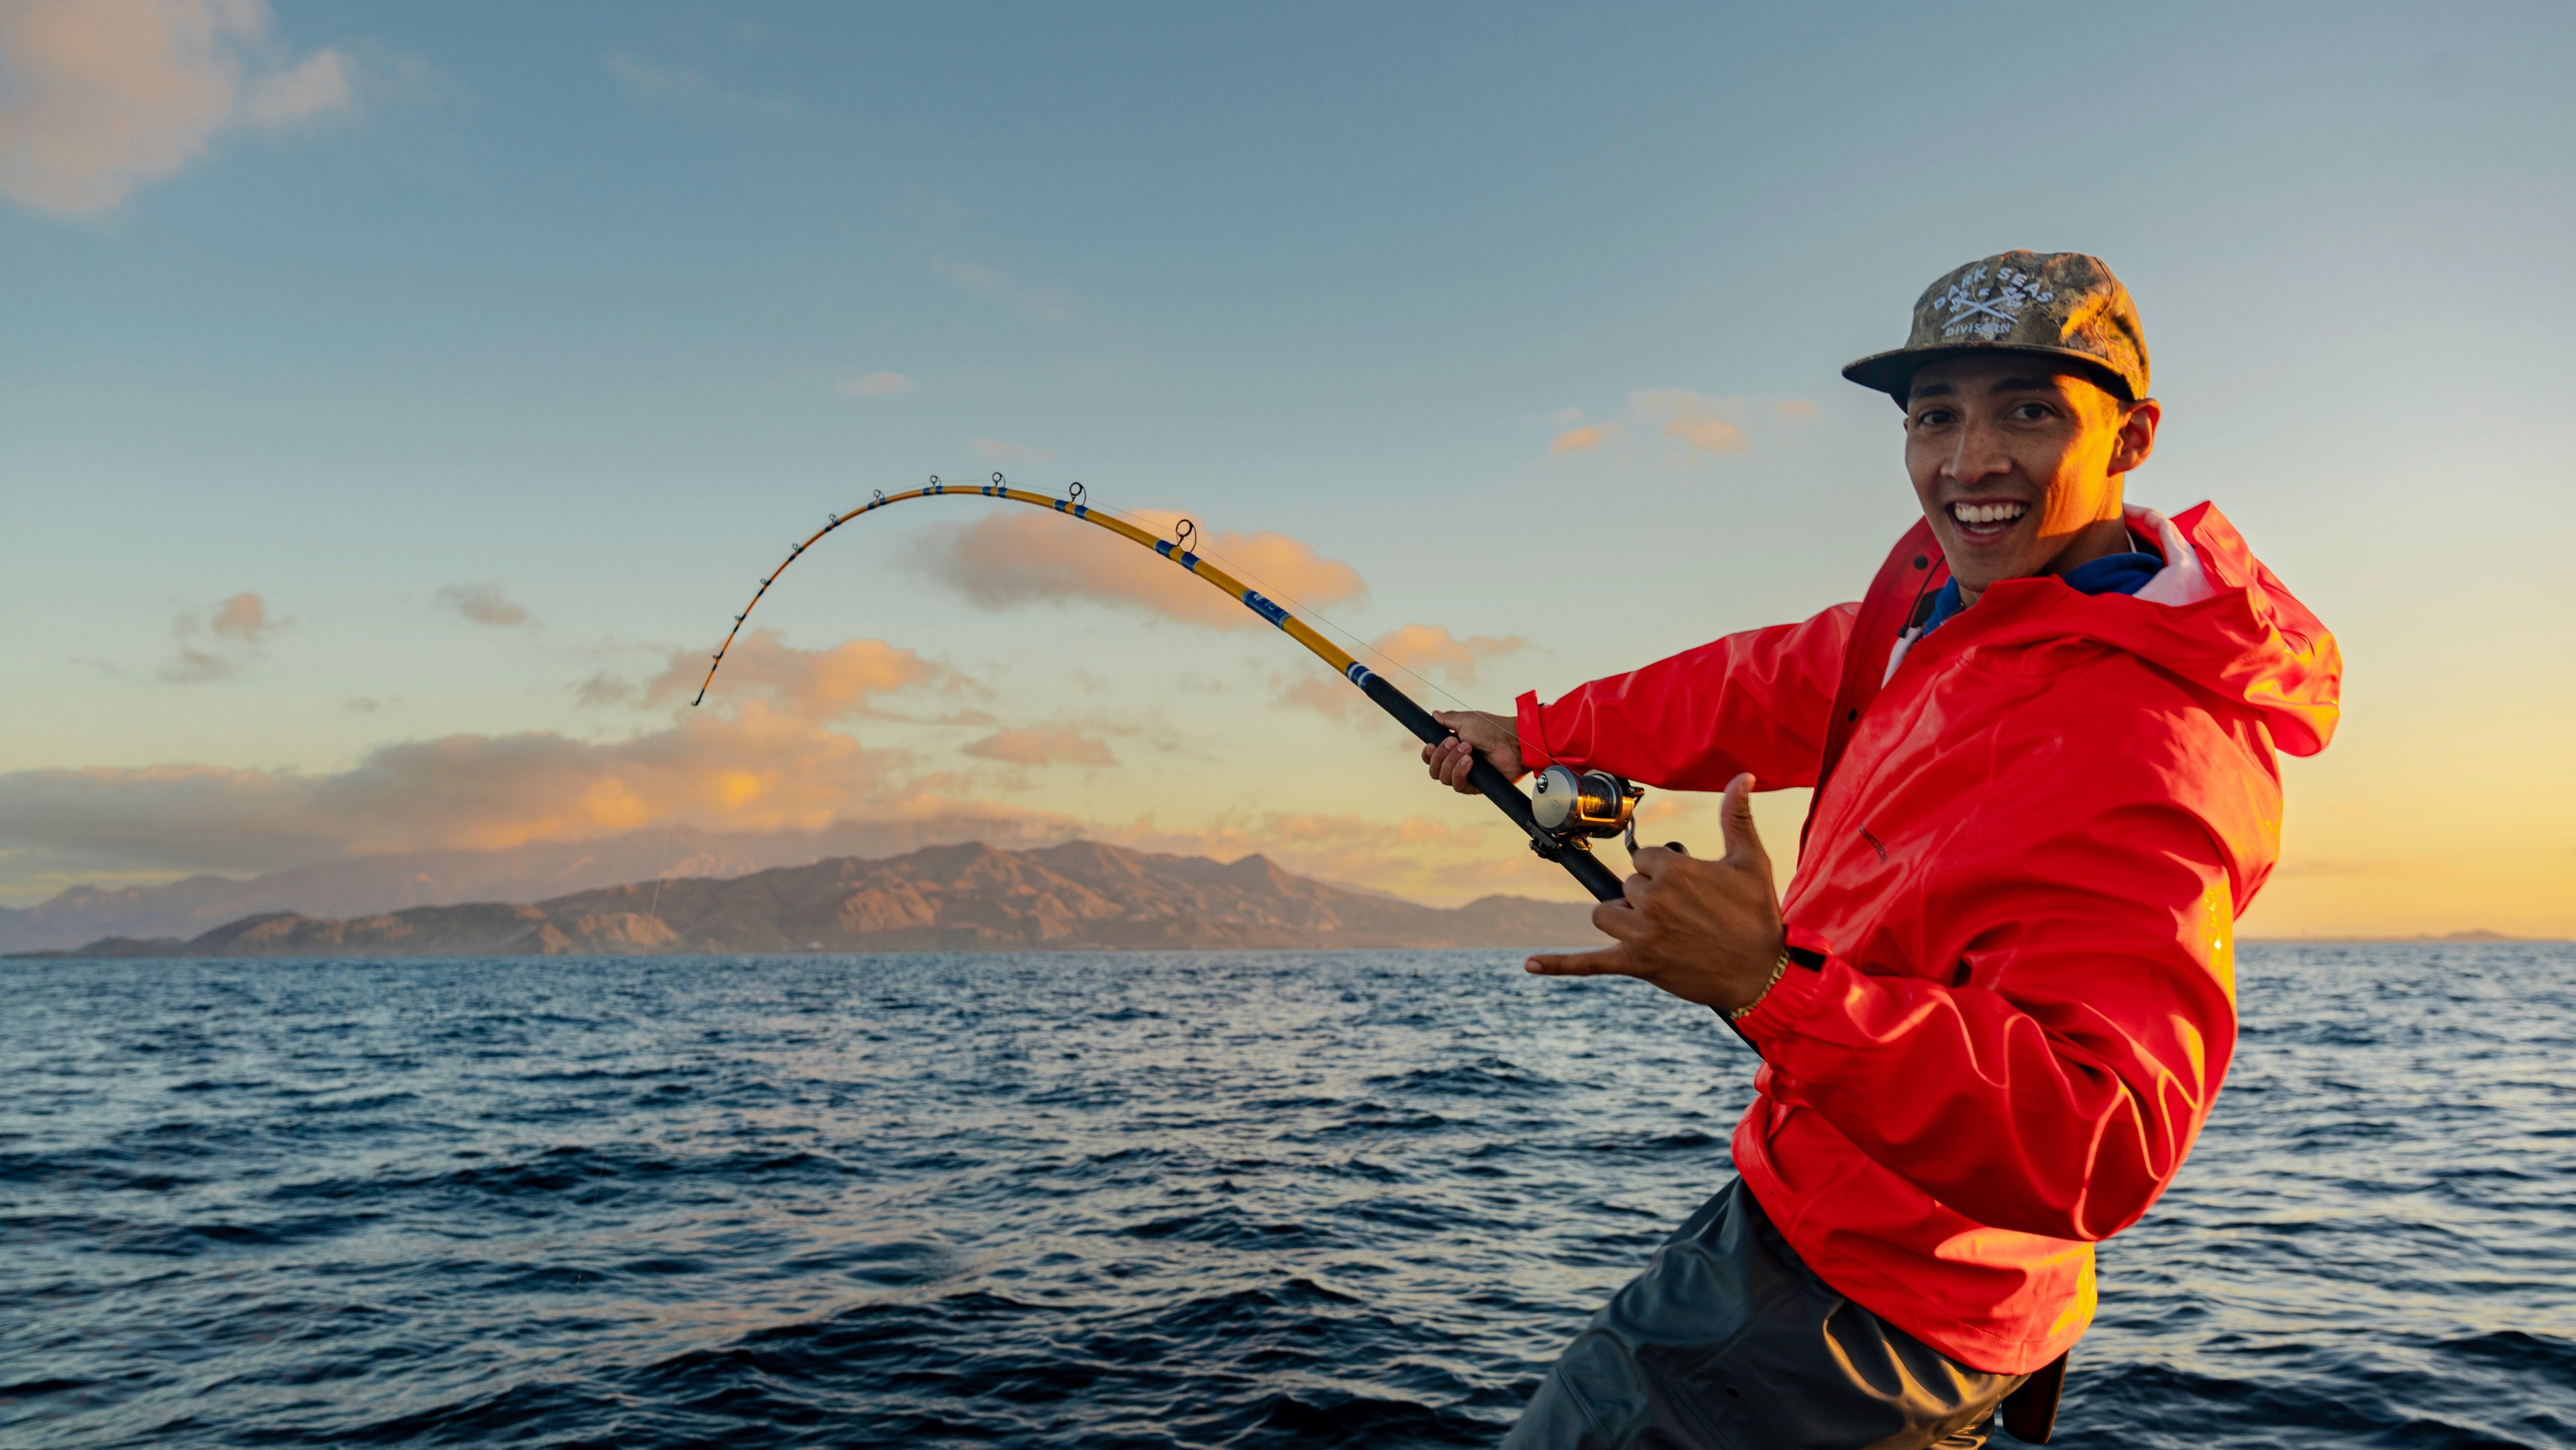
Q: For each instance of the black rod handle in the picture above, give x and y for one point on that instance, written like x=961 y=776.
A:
x=1588 y=870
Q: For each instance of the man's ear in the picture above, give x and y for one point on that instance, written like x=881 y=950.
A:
x=2137 y=435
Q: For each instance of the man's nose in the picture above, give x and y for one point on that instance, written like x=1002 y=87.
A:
x=1978 y=455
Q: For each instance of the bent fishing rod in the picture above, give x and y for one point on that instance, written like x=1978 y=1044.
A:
x=1567 y=810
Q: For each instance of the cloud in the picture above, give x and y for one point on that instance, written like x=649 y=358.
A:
x=1329 y=696
x=181 y=817
x=1691 y=418
x=758 y=770
x=319 y=85
x=233 y=631
x=602 y=690
x=362 y=704
x=647 y=79
x=1001 y=452
x=1582 y=440
x=839 y=683
x=101 y=95
x=763 y=756
x=766 y=756
x=1708 y=435
x=756 y=762
x=1424 y=649
x=651 y=78
x=483 y=604
x=874 y=385
x=1432 y=649
x=1033 y=558
x=1701 y=424
x=1040 y=745
x=242 y=619
x=1796 y=410
x=1047 y=304
x=190 y=665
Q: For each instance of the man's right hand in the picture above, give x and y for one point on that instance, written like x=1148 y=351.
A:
x=1474 y=733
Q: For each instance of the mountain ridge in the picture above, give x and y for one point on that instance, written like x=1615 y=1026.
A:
x=352 y=886
x=1077 y=896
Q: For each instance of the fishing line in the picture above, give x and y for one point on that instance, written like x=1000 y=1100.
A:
x=660 y=876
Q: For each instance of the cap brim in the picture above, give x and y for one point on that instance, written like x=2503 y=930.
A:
x=1893 y=373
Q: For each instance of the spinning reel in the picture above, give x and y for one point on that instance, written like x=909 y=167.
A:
x=1569 y=806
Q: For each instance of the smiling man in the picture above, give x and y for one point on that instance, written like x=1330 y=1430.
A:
x=1999 y=1000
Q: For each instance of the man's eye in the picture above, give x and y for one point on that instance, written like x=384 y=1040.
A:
x=1932 y=417
x=2033 y=412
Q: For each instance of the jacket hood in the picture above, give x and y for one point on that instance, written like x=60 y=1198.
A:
x=2214 y=616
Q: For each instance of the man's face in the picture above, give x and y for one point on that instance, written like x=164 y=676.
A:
x=2018 y=464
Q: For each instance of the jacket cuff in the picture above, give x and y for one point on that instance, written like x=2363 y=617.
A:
x=1532 y=727
x=1777 y=1015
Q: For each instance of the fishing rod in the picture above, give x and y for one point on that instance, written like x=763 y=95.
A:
x=1567 y=810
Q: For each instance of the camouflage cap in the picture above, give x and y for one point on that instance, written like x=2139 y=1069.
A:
x=2058 y=304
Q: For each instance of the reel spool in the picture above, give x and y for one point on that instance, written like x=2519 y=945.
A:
x=1595 y=803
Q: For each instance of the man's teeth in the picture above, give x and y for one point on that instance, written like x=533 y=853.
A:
x=1988 y=513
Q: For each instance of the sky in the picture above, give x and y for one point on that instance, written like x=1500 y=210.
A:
x=397 y=402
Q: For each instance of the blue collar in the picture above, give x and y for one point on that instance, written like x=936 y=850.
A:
x=2111 y=574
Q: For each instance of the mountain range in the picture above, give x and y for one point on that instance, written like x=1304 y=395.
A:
x=371 y=885
x=1080 y=895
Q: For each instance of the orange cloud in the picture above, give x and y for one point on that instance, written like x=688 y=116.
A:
x=1708 y=435
x=811 y=684
x=1321 y=693
x=236 y=628
x=760 y=769
x=762 y=773
x=1015 y=558
x=1691 y=418
x=1424 y=649
x=1585 y=439
x=760 y=758
x=1039 y=745
x=104 y=94
x=243 y=617
x=1432 y=649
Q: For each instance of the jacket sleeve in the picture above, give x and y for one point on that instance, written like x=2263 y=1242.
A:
x=2056 y=1086
x=1754 y=701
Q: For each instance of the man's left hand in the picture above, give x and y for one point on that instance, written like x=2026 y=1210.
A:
x=1705 y=931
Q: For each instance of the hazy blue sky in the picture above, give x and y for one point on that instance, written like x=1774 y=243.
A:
x=397 y=315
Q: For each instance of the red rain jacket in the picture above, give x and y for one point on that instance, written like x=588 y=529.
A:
x=2032 y=833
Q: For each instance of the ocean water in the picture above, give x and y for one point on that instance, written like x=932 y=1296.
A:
x=1254 y=1199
